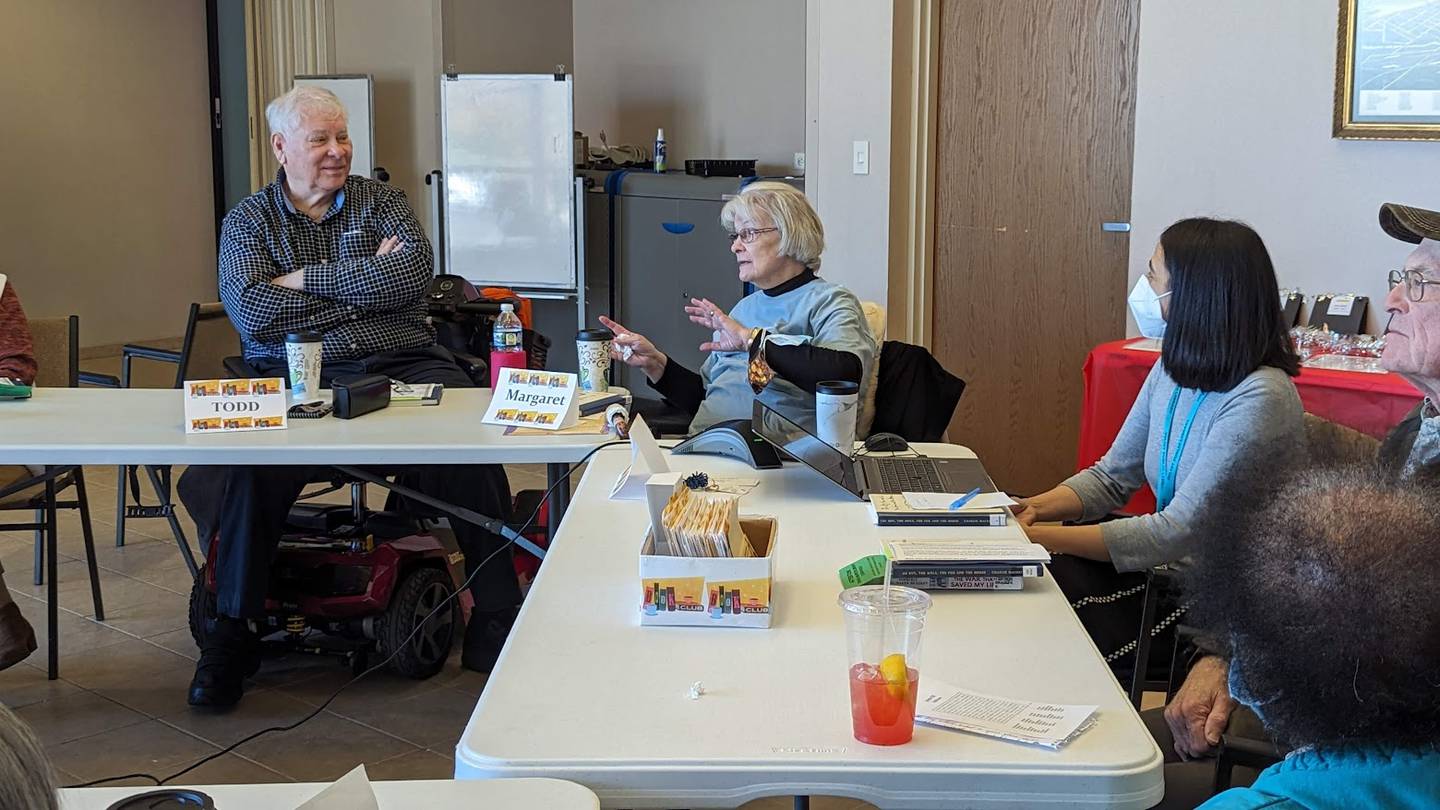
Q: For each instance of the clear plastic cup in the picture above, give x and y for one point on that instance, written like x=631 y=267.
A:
x=884 y=644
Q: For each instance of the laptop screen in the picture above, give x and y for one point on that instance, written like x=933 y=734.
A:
x=800 y=443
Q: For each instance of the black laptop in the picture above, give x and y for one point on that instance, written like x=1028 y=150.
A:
x=865 y=474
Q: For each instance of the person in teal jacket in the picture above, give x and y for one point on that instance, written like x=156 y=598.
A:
x=1321 y=584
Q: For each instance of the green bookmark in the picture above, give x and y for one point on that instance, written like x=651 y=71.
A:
x=864 y=571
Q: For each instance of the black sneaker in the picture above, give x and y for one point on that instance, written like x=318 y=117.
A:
x=230 y=655
x=485 y=637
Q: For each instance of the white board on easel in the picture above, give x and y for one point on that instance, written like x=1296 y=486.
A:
x=507 y=152
x=355 y=92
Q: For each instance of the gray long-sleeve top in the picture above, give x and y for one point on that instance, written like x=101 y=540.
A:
x=1261 y=415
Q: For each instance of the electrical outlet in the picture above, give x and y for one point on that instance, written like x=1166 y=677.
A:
x=861 y=153
x=799 y=162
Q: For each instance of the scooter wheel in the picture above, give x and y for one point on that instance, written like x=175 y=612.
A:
x=418 y=653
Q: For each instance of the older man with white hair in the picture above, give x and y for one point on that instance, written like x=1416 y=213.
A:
x=322 y=250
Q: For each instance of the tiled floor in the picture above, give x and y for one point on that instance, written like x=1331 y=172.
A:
x=119 y=706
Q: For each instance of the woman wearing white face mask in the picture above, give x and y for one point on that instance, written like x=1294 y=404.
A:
x=1220 y=393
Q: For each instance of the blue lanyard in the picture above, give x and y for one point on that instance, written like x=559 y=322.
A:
x=1165 y=487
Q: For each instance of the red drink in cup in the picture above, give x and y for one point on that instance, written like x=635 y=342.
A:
x=883 y=627
x=883 y=713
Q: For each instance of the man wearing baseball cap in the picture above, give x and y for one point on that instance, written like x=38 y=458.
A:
x=1412 y=335
x=1203 y=709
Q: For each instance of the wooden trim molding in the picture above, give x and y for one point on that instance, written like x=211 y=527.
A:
x=915 y=71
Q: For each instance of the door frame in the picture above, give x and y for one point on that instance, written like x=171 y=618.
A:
x=217 y=144
x=915 y=73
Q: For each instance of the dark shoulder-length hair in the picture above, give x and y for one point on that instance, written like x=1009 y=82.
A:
x=1224 y=319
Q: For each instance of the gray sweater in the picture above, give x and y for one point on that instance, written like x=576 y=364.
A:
x=1261 y=415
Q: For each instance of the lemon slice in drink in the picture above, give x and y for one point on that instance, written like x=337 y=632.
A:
x=896 y=674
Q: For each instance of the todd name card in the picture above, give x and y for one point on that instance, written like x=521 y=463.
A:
x=225 y=406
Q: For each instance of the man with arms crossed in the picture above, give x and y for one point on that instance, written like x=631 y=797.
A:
x=325 y=251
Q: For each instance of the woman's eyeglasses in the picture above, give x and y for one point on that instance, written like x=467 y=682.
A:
x=1415 y=283
x=749 y=235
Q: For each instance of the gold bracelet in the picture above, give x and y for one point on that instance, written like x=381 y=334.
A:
x=759 y=372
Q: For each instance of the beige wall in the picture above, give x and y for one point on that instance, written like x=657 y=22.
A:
x=505 y=36
x=725 y=80
x=399 y=45
x=1233 y=119
x=848 y=98
x=107 y=211
x=405 y=47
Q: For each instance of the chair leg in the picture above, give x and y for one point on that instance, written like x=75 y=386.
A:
x=162 y=491
x=84 y=502
x=120 y=506
x=1142 y=642
x=39 y=572
x=52 y=594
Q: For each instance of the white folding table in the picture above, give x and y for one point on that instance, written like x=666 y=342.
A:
x=500 y=794
x=582 y=692
x=66 y=427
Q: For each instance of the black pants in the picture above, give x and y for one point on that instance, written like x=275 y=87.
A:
x=247 y=506
x=1111 y=619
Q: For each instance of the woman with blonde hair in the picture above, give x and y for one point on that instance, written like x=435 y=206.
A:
x=777 y=343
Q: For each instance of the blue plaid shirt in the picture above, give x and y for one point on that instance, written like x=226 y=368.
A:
x=363 y=304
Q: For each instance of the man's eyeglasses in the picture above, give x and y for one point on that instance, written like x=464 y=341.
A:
x=749 y=235
x=1415 y=283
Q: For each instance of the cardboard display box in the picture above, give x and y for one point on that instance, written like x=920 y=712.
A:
x=710 y=591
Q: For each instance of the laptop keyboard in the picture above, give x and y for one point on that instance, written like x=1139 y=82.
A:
x=909 y=475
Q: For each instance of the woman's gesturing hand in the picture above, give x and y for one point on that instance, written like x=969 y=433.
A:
x=728 y=334
x=635 y=350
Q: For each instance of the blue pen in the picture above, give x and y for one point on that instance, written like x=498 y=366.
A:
x=964 y=499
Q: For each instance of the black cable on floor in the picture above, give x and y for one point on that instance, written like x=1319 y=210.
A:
x=418 y=627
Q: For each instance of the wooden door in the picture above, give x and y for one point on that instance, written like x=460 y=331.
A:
x=1034 y=149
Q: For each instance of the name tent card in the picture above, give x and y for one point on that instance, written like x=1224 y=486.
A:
x=227 y=406
x=533 y=399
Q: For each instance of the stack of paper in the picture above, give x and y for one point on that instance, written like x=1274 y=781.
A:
x=704 y=524
x=1051 y=725
x=991 y=565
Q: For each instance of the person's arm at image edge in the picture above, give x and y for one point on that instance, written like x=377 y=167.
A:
x=17 y=349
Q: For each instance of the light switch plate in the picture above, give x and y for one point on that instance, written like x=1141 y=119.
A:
x=861 y=157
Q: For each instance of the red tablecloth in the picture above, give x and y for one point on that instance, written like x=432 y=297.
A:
x=1370 y=403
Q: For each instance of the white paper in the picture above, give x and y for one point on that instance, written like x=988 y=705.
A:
x=533 y=399
x=646 y=459
x=2 y=283
x=910 y=550
x=1341 y=305
x=1144 y=345
x=942 y=500
x=1051 y=725
x=350 y=792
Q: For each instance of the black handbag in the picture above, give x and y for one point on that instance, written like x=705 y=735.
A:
x=360 y=394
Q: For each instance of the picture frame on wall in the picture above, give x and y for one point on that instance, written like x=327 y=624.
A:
x=1387 y=81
